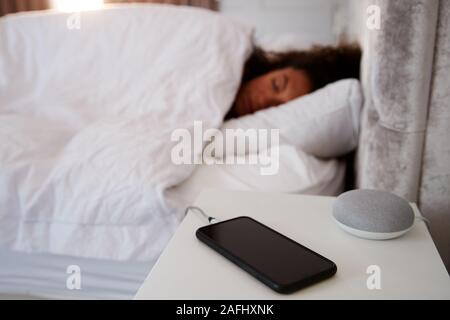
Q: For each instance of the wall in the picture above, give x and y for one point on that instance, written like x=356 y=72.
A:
x=314 y=21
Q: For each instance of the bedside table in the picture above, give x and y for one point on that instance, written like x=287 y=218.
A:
x=409 y=267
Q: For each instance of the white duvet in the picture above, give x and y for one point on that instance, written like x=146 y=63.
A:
x=86 y=117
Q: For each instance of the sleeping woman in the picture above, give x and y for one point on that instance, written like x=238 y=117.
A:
x=271 y=79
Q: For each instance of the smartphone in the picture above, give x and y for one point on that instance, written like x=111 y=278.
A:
x=279 y=262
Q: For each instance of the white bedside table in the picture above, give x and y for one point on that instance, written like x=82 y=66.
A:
x=188 y=270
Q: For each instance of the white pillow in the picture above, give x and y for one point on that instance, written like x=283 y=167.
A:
x=298 y=173
x=324 y=123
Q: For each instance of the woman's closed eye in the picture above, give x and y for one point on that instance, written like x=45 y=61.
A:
x=280 y=83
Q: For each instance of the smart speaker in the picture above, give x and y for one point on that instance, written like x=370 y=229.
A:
x=372 y=214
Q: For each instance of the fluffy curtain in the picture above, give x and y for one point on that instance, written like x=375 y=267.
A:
x=12 y=6
x=209 y=4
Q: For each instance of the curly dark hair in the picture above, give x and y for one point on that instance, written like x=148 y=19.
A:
x=323 y=64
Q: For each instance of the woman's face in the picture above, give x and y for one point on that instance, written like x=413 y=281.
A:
x=271 y=89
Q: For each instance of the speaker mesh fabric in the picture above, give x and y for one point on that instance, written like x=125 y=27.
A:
x=373 y=211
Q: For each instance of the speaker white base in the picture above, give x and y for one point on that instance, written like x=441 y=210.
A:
x=371 y=235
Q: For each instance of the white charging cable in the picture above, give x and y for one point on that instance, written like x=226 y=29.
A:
x=427 y=222
x=210 y=219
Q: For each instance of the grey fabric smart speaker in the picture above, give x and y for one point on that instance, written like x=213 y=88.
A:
x=373 y=214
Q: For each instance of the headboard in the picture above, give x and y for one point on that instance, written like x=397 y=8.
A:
x=405 y=127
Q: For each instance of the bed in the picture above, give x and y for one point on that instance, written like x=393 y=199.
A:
x=86 y=122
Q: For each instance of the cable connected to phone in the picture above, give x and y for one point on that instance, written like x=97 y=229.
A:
x=210 y=219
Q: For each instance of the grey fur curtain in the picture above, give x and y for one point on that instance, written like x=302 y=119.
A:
x=12 y=6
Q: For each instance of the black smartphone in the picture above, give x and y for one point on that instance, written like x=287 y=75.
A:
x=279 y=262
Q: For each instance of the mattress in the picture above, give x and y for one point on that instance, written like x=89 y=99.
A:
x=46 y=275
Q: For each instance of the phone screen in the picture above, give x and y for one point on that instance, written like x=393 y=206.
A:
x=275 y=259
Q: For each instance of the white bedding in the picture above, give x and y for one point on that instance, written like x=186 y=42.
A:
x=86 y=117
x=299 y=173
